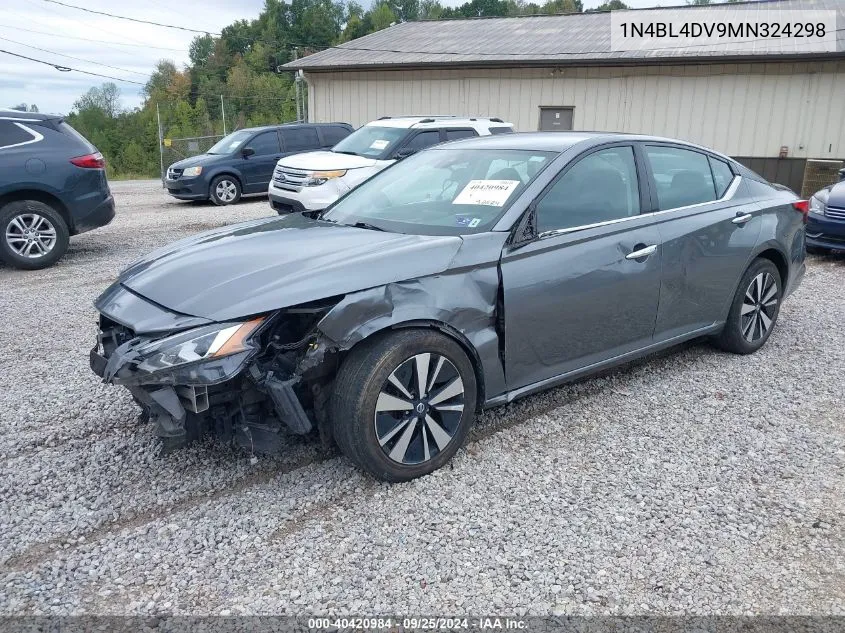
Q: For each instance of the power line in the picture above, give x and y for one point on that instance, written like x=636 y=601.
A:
x=86 y=39
x=67 y=69
x=79 y=59
x=123 y=17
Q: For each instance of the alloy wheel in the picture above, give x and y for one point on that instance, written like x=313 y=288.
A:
x=759 y=307
x=419 y=409
x=226 y=191
x=30 y=235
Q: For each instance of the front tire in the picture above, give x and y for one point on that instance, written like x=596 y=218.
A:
x=754 y=310
x=224 y=190
x=403 y=403
x=32 y=235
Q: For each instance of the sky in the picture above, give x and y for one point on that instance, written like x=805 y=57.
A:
x=131 y=49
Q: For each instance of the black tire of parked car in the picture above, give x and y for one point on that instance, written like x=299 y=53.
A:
x=29 y=210
x=228 y=183
x=733 y=338
x=357 y=388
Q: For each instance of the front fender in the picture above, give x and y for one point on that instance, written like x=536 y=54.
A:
x=461 y=304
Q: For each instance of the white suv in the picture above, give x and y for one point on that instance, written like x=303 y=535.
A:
x=312 y=181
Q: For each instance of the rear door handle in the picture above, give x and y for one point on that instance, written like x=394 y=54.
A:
x=741 y=218
x=642 y=253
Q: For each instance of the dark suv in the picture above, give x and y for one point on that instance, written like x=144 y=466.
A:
x=52 y=185
x=243 y=161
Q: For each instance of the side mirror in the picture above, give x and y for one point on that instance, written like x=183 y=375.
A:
x=246 y=152
x=405 y=152
x=842 y=174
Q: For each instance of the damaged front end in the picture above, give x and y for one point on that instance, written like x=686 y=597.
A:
x=250 y=381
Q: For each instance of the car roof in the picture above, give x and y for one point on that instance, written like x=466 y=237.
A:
x=435 y=121
x=263 y=128
x=561 y=141
x=26 y=116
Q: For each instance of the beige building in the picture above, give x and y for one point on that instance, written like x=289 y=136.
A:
x=770 y=107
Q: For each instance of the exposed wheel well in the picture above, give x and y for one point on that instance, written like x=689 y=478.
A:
x=777 y=258
x=40 y=196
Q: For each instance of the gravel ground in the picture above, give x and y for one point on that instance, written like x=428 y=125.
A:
x=697 y=482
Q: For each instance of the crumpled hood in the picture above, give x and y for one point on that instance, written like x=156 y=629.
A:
x=264 y=265
x=194 y=161
x=326 y=161
x=836 y=197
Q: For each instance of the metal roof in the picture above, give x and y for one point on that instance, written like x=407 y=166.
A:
x=582 y=39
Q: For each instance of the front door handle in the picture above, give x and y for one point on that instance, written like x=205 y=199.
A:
x=741 y=218
x=642 y=253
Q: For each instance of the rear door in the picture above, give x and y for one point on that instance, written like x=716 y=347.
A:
x=586 y=289
x=258 y=168
x=708 y=226
x=296 y=140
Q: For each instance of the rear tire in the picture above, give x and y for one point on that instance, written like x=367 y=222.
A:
x=390 y=425
x=224 y=190
x=32 y=235
x=754 y=310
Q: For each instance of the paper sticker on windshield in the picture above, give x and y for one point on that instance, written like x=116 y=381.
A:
x=379 y=144
x=491 y=193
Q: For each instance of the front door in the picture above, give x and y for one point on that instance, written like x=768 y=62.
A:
x=586 y=290
x=258 y=167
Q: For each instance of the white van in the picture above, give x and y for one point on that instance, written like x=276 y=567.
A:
x=312 y=181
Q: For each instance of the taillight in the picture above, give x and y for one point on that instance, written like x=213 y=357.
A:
x=803 y=207
x=90 y=161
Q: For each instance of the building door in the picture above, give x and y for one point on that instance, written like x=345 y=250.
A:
x=554 y=119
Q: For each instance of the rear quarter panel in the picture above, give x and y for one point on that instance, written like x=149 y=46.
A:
x=783 y=230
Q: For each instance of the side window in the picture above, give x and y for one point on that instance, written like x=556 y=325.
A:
x=722 y=175
x=333 y=134
x=602 y=186
x=265 y=143
x=11 y=135
x=501 y=130
x=454 y=135
x=682 y=176
x=300 y=138
x=423 y=140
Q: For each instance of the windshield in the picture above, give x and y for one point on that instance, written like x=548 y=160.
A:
x=229 y=144
x=372 y=141
x=441 y=191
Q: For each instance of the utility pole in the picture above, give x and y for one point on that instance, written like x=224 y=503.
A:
x=160 y=147
x=223 y=111
x=297 y=87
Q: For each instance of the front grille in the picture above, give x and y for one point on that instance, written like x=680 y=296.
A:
x=173 y=174
x=835 y=213
x=288 y=178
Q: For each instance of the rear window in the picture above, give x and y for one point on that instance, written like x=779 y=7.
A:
x=298 y=139
x=332 y=135
x=12 y=134
x=69 y=131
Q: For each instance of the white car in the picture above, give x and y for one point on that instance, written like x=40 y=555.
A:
x=314 y=180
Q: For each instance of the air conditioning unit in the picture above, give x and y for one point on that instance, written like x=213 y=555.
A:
x=818 y=174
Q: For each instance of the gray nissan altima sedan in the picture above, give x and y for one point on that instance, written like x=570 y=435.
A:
x=463 y=277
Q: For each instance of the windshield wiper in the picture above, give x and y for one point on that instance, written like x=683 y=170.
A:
x=366 y=225
x=340 y=151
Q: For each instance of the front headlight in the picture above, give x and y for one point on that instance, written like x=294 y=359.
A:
x=320 y=177
x=817 y=205
x=192 y=171
x=202 y=343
